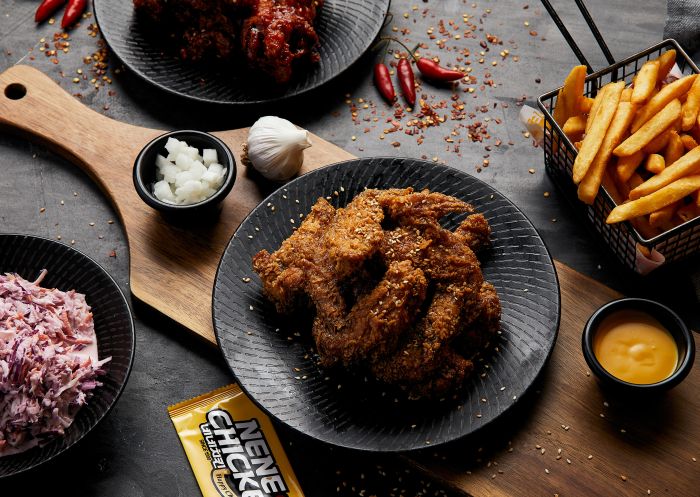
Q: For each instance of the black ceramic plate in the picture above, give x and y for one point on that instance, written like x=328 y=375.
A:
x=277 y=369
x=69 y=269
x=346 y=29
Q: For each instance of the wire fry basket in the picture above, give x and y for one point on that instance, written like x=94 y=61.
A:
x=626 y=243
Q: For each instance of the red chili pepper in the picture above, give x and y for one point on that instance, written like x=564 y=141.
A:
x=73 y=12
x=432 y=70
x=47 y=8
x=382 y=79
x=406 y=80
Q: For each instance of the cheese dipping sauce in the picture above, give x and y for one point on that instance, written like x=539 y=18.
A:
x=635 y=347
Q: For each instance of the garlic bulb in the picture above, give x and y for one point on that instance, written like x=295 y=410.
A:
x=276 y=147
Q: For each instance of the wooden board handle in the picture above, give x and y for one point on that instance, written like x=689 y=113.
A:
x=32 y=104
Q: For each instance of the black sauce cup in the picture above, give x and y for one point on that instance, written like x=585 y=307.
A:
x=682 y=336
x=145 y=175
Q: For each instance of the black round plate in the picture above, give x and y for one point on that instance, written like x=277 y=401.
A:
x=272 y=356
x=346 y=29
x=68 y=269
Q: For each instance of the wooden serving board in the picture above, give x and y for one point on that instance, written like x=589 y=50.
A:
x=172 y=270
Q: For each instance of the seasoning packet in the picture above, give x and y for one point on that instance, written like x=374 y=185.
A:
x=232 y=446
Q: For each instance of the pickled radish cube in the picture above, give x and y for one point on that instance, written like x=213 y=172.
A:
x=210 y=156
x=163 y=192
x=216 y=168
x=197 y=169
x=173 y=146
x=183 y=162
x=210 y=177
x=190 y=192
x=191 y=152
x=183 y=177
x=161 y=161
x=169 y=173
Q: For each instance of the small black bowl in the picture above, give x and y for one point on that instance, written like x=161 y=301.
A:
x=145 y=172
x=669 y=319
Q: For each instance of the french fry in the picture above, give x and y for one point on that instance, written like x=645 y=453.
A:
x=568 y=98
x=641 y=224
x=691 y=106
x=667 y=94
x=661 y=198
x=626 y=95
x=655 y=163
x=685 y=166
x=644 y=250
x=674 y=149
x=585 y=104
x=688 y=142
x=596 y=134
x=650 y=130
x=626 y=166
x=644 y=82
x=588 y=188
x=594 y=108
x=663 y=216
x=634 y=181
x=612 y=189
x=666 y=61
x=574 y=127
x=659 y=143
x=688 y=212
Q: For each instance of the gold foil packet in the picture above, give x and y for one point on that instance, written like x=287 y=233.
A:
x=232 y=446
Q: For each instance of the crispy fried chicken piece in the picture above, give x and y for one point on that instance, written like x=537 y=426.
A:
x=375 y=323
x=279 y=32
x=475 y=231
x=409 y=207
x=283 y=273
x=483 y=322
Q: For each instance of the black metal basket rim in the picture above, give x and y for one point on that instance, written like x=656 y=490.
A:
x=632 y=58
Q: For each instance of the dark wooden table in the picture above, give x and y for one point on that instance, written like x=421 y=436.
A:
x=135 y=451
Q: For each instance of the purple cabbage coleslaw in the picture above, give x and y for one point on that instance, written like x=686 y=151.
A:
x=48 y=361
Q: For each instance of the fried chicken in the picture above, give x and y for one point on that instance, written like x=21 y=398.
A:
x=271 y=35
x=278 y=33
x=417 y=309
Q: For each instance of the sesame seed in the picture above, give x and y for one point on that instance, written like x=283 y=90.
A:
x=590 y=456
x=546 y=470
x=623 y=477
x=568 y=461
x=42 y=210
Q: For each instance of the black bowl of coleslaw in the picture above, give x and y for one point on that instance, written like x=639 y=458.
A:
x=92 y=388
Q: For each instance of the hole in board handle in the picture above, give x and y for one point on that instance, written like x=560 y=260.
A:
x=15 y=91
